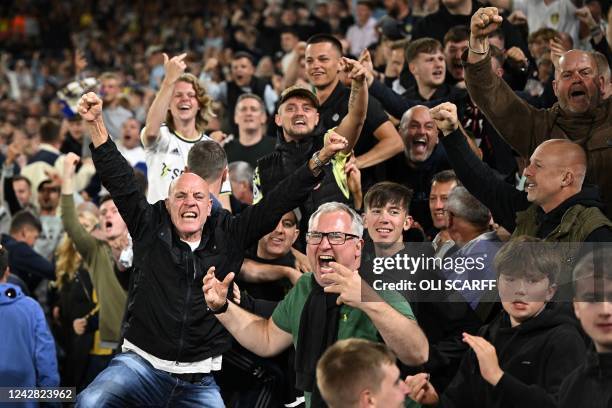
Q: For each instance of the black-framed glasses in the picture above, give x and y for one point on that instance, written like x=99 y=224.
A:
x=334 y=238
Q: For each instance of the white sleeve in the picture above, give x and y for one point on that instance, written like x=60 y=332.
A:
x=270 y=97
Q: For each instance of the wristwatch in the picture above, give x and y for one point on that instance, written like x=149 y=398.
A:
x=318 y=163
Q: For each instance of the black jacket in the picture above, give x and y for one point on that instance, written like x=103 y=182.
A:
x=590 y=385
x=167 y=315
x=535 y=356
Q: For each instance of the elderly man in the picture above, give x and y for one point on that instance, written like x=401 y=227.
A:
x=581 y=115
x=331 y=303
x=172 y=342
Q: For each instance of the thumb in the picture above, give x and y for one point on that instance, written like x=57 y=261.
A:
x=228 y=279
x=165 y=58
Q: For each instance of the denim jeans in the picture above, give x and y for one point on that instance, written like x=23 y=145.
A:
x=130 y=380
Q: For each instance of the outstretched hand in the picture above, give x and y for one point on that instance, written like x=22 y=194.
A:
x=70 y=162
x=215 y=291
x=354 y=69
x=487 y=358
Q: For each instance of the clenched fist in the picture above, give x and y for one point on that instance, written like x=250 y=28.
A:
x=445 y=116
x=90 y=107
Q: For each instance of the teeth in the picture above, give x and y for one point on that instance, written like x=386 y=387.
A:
x=383 y=230
x=189 y=214
x=327 y=258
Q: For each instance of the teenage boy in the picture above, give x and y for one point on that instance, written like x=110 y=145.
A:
x=590 y=385
x=526 y=352
x=443 y=320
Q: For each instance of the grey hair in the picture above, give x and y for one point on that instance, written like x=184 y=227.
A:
x=462 y=204
x=241 y=171
x=334 y=206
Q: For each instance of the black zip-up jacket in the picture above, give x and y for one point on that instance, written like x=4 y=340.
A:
x=535 y=356
x=167 y=315
x=590 y=385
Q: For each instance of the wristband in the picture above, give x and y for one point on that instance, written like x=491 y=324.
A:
x=317 y=161
x=595 y=30
x=475 y=51
x=220 y=310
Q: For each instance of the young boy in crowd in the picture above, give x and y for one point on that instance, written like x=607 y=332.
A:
x=590 y=385
x=521 y=357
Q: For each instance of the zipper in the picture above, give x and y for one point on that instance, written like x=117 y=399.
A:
x=186 y=307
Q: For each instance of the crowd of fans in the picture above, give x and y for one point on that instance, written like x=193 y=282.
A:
x=197 y=199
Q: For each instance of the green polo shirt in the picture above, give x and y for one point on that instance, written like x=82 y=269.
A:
x=353 y=322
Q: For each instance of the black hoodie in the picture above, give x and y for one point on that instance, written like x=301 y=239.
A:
x=590 y=385
x=535 y=356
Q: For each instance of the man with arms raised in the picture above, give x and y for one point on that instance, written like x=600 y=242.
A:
x=581 y=115
x=172 y=342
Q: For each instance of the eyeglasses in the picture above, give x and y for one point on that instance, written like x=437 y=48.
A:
x=334 y=238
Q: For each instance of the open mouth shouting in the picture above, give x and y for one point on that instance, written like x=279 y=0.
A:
x=324 y=261
x=419 y=145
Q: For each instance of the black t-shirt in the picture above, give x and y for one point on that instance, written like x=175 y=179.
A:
x=419 y=180
x=335 y=108
x=250 y=154
x=275 y=290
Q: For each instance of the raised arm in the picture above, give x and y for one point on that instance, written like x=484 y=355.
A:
x=351 y=125
x=502 y=199
x=173 y=67
x=522 y=126
x=259 y=335
x=84 y=242
x=115 y=172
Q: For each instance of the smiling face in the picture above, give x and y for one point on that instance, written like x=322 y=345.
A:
x=189 y=205
x=111 y=222
x=323 y=63
x=347 y=254
x=297 y=117
x=184 y=104
x=242 y=71
x=437 y=199
x=279 y=242
x=387 y=224
x=577 y=84
x=429 y=69
x=544 y=177
x=524 y=297
x=419 y=133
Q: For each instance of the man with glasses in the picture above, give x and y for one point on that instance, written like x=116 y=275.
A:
x=329 y=304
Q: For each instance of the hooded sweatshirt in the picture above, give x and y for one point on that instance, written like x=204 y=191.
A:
x=590 y=385
x=535 y=356
x=27 y=347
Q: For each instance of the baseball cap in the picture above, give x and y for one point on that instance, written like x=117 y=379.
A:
x=299 y=91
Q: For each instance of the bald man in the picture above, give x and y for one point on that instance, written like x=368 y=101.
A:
x=555 y=205
x=172 y=341
x=581 y=115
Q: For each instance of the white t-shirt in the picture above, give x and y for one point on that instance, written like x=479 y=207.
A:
x=133 y=156
x=559 y=15
x=166 y=160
